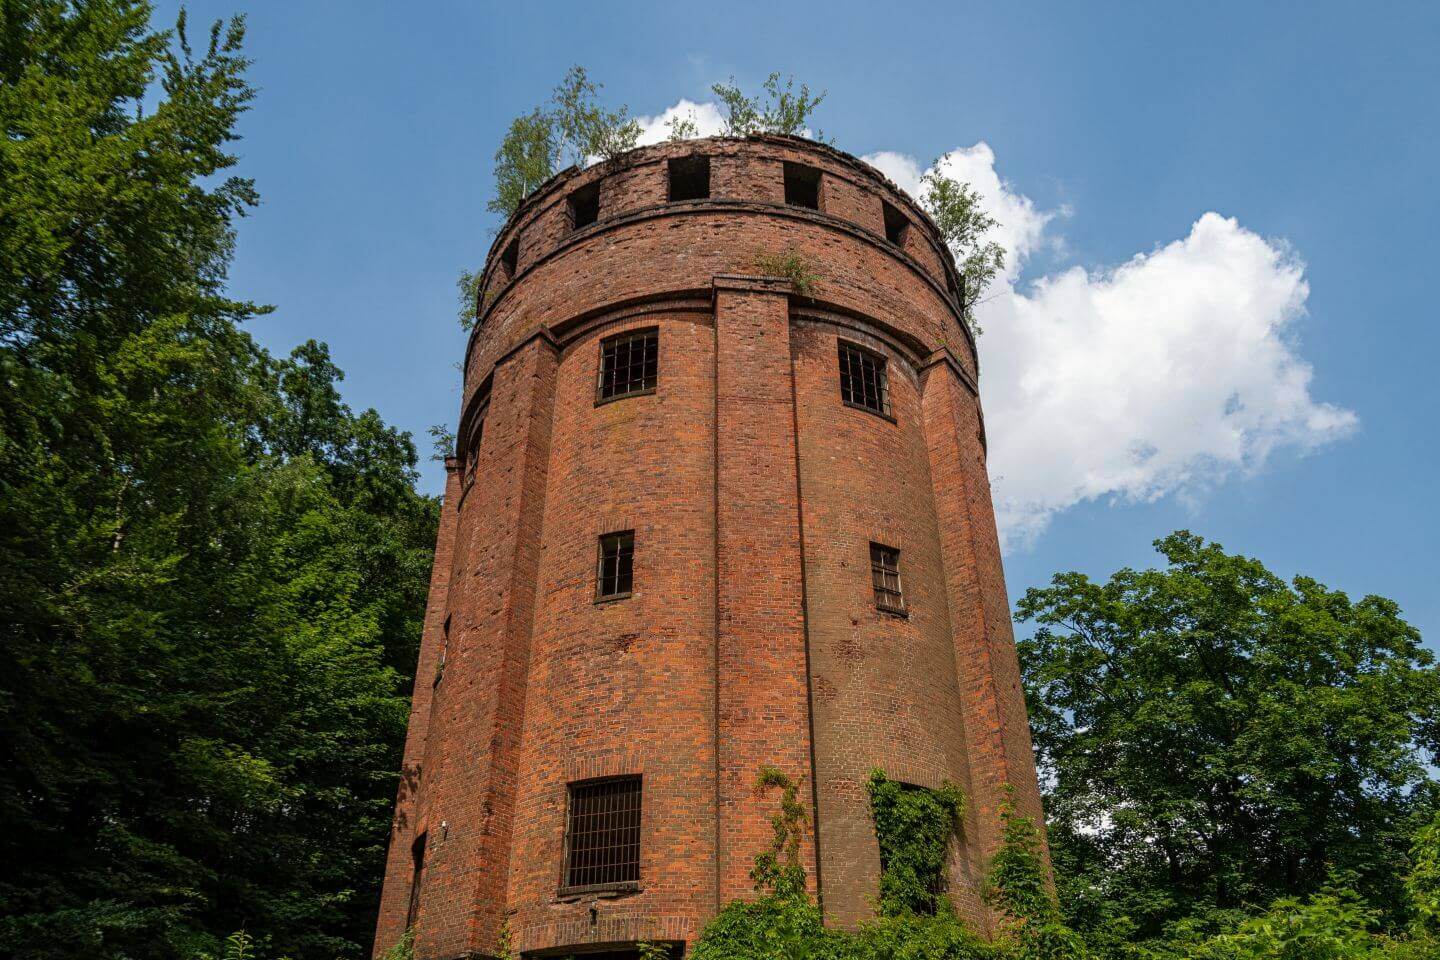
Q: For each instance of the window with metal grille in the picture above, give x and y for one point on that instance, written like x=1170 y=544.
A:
x=885 y=572
x=862 y=379
x=615 y=577
x=629 y=364
x=602 y=845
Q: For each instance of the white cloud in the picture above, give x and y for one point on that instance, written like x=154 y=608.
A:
x=1163 y=376
x=706 y=116
x=1021 y=227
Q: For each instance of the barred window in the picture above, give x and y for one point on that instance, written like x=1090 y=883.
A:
x=616 y=574
x=629 y=364
x=602 y=845
x=862 y=379
x=885 y=573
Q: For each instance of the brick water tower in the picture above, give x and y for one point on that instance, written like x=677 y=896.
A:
x=700 y=520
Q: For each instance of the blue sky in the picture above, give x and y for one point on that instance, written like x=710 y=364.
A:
x=1310 y=129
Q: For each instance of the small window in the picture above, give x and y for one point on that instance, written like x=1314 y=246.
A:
x=602 y=843
x=444 y=652
x=585 y=206
x=690 y=178
x=895 y=225
x=629 y=364
x=417 y=876
x=862 y=379
x=956 y=283
x=472 y=452
x=510 y=259
x=615 y=573
x=885 y=573
x=802 y=186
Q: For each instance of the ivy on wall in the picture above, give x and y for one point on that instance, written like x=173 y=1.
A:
x=913 y=826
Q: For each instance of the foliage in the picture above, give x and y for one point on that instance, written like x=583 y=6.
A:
x=682 y=128
x=529 y=154
x=963 y=224
x=914 y=827
x=1423 y=882
x=404 y=948
x=212 y=572
x=1333 y=924
x=586 y=129
x=1214 y=739
x=789 y=265
x=782 y=111
x=573 y=124
x=778 y=871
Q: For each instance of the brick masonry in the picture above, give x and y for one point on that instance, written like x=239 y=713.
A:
x=751 y=636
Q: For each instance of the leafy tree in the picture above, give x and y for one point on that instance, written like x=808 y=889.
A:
x=1423 y=881
x=782 y=110
x=955 y=208
x=586 y=129
x=212 y=572
x=529 y=154
x=1214 y=739
x=573 y=125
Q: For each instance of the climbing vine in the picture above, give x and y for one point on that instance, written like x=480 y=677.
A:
x=913 y=826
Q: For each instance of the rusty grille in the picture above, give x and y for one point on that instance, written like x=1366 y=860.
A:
x=862 y=380
x=604 y=833
x=629 y=364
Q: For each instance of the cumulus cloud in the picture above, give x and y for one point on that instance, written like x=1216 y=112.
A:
x=1163 y=376
x=1021 y=227
x=708 y=120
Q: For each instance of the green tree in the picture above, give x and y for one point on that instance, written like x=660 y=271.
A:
x=781 y=111
x=212 y=572
x=572 y=125
x=1214 y=738
x=529 y=154
x=955 y=208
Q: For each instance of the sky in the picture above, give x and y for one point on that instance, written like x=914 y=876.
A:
x=1218 y=311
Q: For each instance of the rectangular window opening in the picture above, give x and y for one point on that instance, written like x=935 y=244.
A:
x=417 y=876
x=602 y=843
x=885 y=574
x=895 y=224
x=615 y=574
x=629 y=364
x=802 y=186
x=863 y=381
x=585 y=206
x=690 y=178
x=510 y=259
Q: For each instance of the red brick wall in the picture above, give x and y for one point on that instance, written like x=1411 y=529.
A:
x=751 y=637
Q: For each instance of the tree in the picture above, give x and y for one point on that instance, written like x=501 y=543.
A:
x=529 y=154
x=573 y=125
x=212 y=572
x=782 y=111
x=955 y=208
x=1213 y=738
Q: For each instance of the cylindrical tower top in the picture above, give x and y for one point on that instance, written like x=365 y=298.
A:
x=821 y=194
